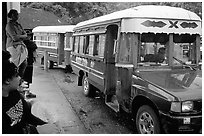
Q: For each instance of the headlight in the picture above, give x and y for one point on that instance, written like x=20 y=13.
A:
x=182 y=106
x=187 y=106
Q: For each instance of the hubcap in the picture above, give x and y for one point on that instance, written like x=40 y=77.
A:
x=146 y=123
x=86 y=85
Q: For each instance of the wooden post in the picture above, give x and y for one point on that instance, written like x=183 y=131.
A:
x=197 y=42
x=135 y=49
x=4 y=22
x=45 y=60
x=170 y=50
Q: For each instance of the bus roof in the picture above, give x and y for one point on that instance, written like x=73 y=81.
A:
x=54 y=29
x=144 y=12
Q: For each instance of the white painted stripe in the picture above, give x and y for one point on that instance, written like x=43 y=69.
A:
x=101 y=73
x=124 y=65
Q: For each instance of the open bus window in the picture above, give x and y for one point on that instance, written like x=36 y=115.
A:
x=185 y=49
x=96 y=45
x=91 y=44
x=99 y=45
x=51 y=40
x=86 y=45
x=185 y=53
x=152 y=49
x=152 y=54
x=76 y=44
x=182 y=53
x=81 y=44
x=125 y=49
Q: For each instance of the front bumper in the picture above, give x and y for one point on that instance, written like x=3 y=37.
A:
x=182 y=124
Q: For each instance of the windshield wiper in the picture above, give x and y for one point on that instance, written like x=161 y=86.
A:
x=184 y=64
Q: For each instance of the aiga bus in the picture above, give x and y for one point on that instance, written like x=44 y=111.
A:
x=57 y=41
x=144 y=60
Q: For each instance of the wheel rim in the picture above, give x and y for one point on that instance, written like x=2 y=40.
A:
x=86 y=85
x=146 y=123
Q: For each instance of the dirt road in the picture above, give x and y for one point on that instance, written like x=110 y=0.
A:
x=96 y=116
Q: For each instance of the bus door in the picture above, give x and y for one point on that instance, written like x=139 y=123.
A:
x=110 y=69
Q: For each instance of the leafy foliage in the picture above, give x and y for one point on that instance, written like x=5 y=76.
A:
x=74 y=12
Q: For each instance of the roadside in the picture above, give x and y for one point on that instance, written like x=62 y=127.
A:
x=51 y=105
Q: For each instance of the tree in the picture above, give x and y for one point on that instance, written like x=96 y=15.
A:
x=75 y=12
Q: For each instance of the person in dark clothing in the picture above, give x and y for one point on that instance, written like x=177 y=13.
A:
x=16 y=112
x=158 y=58
x=28 y=74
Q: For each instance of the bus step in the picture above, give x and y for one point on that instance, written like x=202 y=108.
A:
x=113 y=106
x=113 y=103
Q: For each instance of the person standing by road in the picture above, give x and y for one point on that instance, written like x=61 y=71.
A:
x=31 y=46
x=14 y=44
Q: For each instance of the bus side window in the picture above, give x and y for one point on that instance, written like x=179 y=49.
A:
x=96 y=45
x=76 y=44
x=73 y=43
x=49 y=40
x=91 y=44
x=70 y=43
x=101 y=45
x=86 y=45
x=125 y=50
x=81 y=44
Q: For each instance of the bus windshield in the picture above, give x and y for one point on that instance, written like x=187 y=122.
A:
x=155 y=50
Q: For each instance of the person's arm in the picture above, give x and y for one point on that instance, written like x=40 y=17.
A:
x=24 y=35
x=10 y=29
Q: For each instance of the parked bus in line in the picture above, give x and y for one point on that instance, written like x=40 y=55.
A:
x=56 y=40
x=144 y=61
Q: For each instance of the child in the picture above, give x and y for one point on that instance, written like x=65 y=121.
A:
x=16 y=112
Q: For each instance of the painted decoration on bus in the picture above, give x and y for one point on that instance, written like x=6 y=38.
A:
x=156 y=25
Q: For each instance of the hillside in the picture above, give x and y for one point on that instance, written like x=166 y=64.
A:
x=30 y=18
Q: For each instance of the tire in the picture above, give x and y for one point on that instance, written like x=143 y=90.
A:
x=147 y=121
x=50 y=64
x=42 y=61
x=88 y=89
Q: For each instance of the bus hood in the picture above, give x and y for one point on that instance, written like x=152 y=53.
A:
x=182 y=84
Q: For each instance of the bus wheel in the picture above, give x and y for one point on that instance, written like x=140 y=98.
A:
x=42 y=61
x=147 y=121
x=88 y=88
x=50 y=64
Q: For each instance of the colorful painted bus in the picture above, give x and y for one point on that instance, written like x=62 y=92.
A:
x=56 y=40
x=136 y=58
